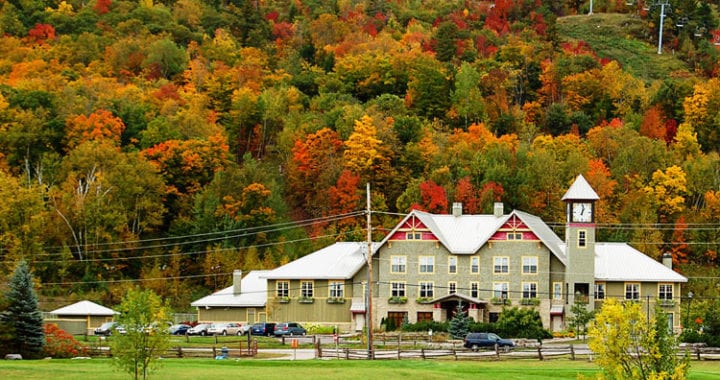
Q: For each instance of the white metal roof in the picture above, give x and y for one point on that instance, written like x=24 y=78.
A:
x=621 y=262
x=463 y=234
x=580 y=190
x=253 y=293
x=85 y=308
x=339 y=261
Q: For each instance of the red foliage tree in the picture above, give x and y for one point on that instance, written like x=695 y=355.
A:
x=434 y=198
x=679 y=248
x=60 y=344
x=41 y=33
x=466 y=193
x=102 y=6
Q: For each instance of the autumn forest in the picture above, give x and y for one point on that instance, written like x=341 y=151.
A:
x=166 y=143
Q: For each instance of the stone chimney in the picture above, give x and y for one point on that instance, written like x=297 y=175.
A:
x=498 y=209
x=667 y=260
x=457 y=209
x=237 y=278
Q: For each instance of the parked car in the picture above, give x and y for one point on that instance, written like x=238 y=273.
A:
x=266 y=329
x=475 y=341
x=179 y=329
x=230 y=328
x=289 y=328
x=105 y=329
x=201 y=329
x=245 y=329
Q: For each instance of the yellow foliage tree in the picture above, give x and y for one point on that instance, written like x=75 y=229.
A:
x=668 y=188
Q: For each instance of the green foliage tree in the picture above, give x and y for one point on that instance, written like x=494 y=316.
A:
x=580 y=318
x=459 y=324
x=144 y=315
x=23 y=315
x=629 y=345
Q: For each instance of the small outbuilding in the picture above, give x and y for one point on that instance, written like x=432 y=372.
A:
x=81 y=317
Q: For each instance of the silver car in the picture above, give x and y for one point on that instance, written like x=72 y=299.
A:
x=229 y=328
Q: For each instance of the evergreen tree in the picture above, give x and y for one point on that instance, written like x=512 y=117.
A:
x=460 y=323
x=23 y=314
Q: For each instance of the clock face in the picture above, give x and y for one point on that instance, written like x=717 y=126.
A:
x=582 y=212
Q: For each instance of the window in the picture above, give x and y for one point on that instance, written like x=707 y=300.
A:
x=427 y=264
x=600 y=291
x=632 y=291
x=452 y=287
x=582 y=238
x=502 y=265
x=397 y=289
x=557 y=290
x=500 y=290
x=530 y=265
x=474 y=264
x=337 y=290
x=397 y=264
x=665 y=291
x=282 y=289
x=426 y=289
x=529 y=289
x=452 y=264
x=413 y=236
x=423 y=316
x=474 y=290
x=514 y=236
x=306 y=289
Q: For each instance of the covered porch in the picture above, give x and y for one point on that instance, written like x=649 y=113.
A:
x=445 y=307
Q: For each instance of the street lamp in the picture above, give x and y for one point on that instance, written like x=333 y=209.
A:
x=687 y=318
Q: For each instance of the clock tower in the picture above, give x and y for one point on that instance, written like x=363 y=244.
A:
x=580 y=242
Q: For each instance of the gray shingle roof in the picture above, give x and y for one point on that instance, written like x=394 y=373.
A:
x=339 y=261
x=253 y=293
x=85 y=308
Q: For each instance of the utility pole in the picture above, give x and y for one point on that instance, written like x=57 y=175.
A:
x=369 y=314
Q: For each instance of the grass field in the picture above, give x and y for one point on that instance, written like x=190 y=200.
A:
x=319 y=369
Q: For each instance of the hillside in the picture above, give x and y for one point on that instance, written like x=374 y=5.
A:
x=167 y=143
x=625 y=38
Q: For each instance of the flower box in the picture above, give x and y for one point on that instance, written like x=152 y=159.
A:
x=530 y=301
x=335 y=300
x=397 y=300
x=306 y=300
x=283 y=299
x=500 y=301
x=666 y=303
x=423 y=300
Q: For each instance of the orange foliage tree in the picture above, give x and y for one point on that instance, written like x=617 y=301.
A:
x=99 y=125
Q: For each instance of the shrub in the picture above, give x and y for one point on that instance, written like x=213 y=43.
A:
x=425 y=326
x=60 y=344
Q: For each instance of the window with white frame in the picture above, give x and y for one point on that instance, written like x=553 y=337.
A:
x=582 y=238
x=306 y=289
x=282 y=289
x=426 y=289
x=475 y=290
x=452 y=287
x=475 y=264
x=665 y=291
x=529 y=289
x=502 y=264
x=397 y=289
x=427 y=264
x=557 y=290
x=500 y=290
x=452 y=264
x=337 y=289
x=398 y=264
x=632 y=291
x=600 y=291
x=530 y=265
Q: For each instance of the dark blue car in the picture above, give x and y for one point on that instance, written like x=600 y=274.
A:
x=475 y=341
x=266 y=329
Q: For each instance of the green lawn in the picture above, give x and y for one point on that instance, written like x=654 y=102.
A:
x=318 y=369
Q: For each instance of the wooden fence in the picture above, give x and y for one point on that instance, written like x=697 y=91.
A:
x=192 y=352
